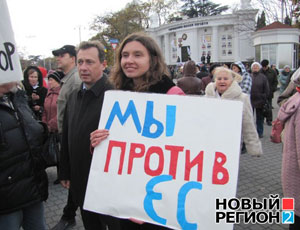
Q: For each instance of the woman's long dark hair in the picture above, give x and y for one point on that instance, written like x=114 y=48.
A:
x=157 y=69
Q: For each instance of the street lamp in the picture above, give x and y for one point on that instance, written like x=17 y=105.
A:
x=79 y=32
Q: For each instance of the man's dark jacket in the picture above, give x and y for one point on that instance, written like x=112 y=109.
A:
x=272 y=79
x=81 y=117
x=259 y=90
x=23 y=180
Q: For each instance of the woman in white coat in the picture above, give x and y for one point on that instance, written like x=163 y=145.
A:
x=226 y=87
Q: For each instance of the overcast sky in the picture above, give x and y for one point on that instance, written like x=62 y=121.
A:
x=43 y=25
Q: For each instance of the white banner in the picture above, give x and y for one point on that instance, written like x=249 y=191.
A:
x=10 y=68
x=166 y=160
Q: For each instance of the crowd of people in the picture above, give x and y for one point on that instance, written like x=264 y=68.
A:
x=259 y=81
x=70 y=105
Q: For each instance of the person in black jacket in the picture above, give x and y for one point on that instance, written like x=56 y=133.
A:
x=203 y=72
x=208 y=57
x=273 y=83
x=259 y=94
x=33 y=83
x=81 y=117
x=23 y=180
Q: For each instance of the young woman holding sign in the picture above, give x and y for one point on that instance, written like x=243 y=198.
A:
x=139 y=67
x=226 y=87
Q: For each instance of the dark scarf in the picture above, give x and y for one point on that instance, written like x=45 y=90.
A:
x=285 y=73
x=161 y=86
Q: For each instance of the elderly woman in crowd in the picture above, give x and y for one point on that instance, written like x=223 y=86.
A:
x=226 y=87
x=259 y=93
x=49 y=116
x=50 y=106
x=289 y=114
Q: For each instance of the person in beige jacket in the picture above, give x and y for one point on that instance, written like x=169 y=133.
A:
x=226 y=87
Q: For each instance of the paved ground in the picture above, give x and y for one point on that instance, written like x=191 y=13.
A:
x=258 y=177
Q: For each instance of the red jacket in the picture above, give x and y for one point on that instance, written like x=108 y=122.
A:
x=44 y=74
x=50 y=109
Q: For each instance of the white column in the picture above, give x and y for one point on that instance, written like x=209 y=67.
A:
x=198 y=45
x=215 y=44
x=236 y=44
x=167 y=48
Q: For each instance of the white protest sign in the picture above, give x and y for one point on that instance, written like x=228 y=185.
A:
x=166 y=160
x=10 y=68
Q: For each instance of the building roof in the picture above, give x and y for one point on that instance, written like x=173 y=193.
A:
x=276 y=25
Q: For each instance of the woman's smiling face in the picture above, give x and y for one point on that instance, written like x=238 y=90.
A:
x=135 y=60
x=223 y=81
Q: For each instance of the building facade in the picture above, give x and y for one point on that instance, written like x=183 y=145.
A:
x=278 y=43
x=225 y=38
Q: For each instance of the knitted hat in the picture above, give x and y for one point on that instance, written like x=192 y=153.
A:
x=255 y=63
x=56 y=75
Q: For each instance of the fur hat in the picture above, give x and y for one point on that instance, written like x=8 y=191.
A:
x=255 y=63
x=56 y=75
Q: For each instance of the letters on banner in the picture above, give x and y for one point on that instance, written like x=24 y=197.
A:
x=10 y=67
x=167 y=159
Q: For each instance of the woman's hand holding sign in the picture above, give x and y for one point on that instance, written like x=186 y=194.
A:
x=136 y=221
x=98 y=136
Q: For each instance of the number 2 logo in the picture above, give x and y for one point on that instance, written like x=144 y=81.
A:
x=287 y=217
